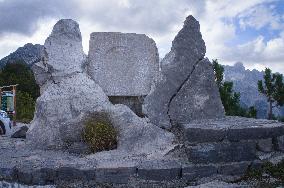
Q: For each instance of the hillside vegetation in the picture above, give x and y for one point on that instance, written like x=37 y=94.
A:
x=27 y=90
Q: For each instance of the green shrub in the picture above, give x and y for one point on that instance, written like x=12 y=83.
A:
x=25 y=107
x=281 y=119
x=276 y=171
x=20 y=73
x=99 y=133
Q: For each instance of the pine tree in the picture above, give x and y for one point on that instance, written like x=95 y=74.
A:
x=230 y=99
x=273 y=89
x=19 y=73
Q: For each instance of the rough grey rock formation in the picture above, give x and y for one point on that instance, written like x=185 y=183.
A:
x=280 y=143
x=21 y=133
x=62 y=107
x=123 y=64
x=41 y=72
x=63 y=53
x=65 y=103
x=61 y=103
x=198 y=98
x=265 y=145
x=188 y=50
x=29 y=53
x=133 y=102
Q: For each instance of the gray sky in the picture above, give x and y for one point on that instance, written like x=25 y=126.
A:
x=249 y=31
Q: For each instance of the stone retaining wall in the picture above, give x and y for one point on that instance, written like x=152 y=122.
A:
x=232 y=139
x=226 y=147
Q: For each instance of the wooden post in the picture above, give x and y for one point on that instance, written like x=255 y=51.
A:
x=0 y=98
x=15 y=103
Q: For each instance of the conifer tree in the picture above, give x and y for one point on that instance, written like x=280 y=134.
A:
x=273 y=88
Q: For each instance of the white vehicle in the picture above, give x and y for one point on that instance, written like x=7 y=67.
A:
x=5 y=123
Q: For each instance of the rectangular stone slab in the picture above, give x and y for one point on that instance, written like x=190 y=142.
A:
x=159 y=170
x=118 y=175
x=231 y=128
x=123 y=64
x=192 y=172
x=222 y=152
x=233 y=169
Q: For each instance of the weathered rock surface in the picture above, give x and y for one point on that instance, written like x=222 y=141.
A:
x=265 y=145
x=41 y=72
x=17 y=185
x=23 y=164
x=63 y=53
x=115 y=175
x=198 y=98
x=133 y=102
x=66 y=102
x=231 y=128
x=222 y=152
x=220 y=184
x=159 y=170
x=21 y=133
x=145 y=153
x=193 y=172
x=230 y=139
x=61 y=103
x=178 y=67
x=123 y=64
x=280 y=143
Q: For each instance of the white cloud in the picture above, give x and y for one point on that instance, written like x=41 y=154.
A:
x=10 y=42
x=259 y=54
x=259 y=17
x=218 y=29
x=217 y=25
x=162 y=19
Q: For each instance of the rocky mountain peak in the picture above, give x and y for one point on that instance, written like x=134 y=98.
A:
x=245 y=82
x=29 y=53
x=239 y=66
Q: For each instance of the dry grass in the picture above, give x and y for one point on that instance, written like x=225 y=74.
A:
x=99 y=132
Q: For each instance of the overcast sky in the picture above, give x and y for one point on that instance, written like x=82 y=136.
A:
x=250 y=31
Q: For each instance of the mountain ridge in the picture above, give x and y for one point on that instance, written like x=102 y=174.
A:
x=29 y=53
x=245 y=82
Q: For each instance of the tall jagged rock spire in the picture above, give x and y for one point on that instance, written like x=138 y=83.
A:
x=168 y=103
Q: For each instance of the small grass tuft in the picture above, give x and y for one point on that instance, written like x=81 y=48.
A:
x=99 y=133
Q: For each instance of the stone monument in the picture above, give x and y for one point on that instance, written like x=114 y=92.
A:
x=69 y=94
x=186 y=137
x=124 y=65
